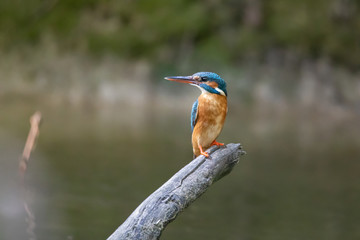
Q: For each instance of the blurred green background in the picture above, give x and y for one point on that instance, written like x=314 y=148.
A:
x=114 y=130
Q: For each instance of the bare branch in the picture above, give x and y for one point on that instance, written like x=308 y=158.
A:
x=151 y=217
x=24 y=161
x=30 y=143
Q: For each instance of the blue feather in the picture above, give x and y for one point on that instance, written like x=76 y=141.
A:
x=194 y=114
x=208 y=88
x=210 y=76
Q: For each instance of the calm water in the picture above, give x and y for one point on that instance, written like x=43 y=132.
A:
x=94 y=165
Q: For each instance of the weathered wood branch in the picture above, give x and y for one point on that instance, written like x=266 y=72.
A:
x=151 y=217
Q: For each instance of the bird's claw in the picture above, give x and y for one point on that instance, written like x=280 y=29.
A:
x=217 y=143
x=202 y=152
x=206 y=154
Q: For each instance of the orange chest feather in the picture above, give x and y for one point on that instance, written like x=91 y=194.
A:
x=212 y=108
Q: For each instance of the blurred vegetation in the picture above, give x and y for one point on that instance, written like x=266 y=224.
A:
x=95 y=70
x=222 y=31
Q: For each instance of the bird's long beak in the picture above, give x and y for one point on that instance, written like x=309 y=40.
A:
x=183 y=79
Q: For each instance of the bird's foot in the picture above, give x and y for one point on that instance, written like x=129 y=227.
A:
x=202 y=152
x=216 y=143
x=206 y=154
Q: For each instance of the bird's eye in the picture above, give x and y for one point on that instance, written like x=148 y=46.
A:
x=204 y=79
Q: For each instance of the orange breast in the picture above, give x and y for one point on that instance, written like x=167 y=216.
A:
x=212 y=109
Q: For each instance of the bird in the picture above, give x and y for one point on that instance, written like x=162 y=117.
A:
x=208 y=111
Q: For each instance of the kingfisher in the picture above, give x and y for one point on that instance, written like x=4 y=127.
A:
x=208 y=111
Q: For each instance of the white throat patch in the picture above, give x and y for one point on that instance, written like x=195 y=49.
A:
x=204 y=91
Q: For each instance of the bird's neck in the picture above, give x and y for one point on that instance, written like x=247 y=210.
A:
x=212 y=99
x=212 y=96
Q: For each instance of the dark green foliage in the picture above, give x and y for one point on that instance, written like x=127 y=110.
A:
x=220 y=31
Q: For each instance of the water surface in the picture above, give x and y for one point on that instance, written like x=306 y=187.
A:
x=94 y=165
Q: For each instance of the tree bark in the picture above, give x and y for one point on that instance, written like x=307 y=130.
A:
x=151 y=217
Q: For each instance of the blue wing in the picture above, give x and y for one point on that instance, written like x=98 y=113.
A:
x=194 y=114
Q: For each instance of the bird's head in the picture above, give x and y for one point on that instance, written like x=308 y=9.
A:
x=206 y=81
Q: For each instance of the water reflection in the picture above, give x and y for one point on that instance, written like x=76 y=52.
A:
x=93 y=165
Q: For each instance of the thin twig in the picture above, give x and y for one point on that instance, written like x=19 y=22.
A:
x=35 y=120
x=30 y=143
